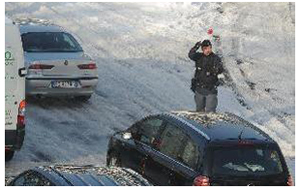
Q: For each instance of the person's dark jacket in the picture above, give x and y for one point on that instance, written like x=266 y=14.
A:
x=207 y=70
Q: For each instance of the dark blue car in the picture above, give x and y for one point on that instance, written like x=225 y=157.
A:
x=192 y=148
x=69 y=175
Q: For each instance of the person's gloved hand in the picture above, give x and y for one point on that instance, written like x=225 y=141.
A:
x=221 y=80
x=197 y=45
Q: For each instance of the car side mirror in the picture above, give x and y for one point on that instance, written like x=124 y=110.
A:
x=127 y=135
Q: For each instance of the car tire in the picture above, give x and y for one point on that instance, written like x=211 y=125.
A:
x=113 y=160
x=32 y=98
x=83 y=98
x=9 y=155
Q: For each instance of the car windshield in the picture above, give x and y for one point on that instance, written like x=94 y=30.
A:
x=246 y=161
x=50 y=42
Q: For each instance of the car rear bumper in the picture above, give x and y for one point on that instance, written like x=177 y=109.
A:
x=41 y=86
x=14 y=138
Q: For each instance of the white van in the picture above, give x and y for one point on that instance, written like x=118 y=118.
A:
x=14 y=90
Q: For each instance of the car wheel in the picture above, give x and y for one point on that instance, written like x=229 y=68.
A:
x=83 y=98
x=33 y=98
x=114 y=160
x=9 y=155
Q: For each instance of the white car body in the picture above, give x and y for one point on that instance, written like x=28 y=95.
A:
x=57 y=72
x=14 y=89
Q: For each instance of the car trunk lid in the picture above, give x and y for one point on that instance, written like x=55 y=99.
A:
x=64 y=64
x=246 y=163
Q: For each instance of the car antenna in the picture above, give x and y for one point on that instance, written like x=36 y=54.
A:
x=240 y=135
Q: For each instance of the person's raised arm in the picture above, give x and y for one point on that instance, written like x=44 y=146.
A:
x=193 y=54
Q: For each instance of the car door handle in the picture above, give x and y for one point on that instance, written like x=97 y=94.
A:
x=22 y=72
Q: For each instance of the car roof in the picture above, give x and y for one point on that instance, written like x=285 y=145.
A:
x=40 y=28
x=219 y=126
x=37 y=25
x=8 y=21
x=92 y=175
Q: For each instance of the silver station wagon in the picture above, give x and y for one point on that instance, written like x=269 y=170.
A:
x=56 y=64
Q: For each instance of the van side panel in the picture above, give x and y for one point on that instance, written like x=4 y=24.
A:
x=14 y=84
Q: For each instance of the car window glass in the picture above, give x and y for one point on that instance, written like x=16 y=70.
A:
x=149 y=130
x=32 y=179
x=50 y=42
x=190 y=154
x=171 y=141
x=246 y=161
x=67 y=40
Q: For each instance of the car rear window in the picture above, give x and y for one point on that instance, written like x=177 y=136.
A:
x=50 y=42
x=246 y=161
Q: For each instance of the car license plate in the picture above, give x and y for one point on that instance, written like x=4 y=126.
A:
x=65 y=84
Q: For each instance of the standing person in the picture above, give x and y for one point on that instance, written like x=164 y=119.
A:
x=205 y=81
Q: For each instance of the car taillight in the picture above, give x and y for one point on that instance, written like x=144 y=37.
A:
x=87 y=66
x=39 y=66
x=21 y=114
x=245 y=143
x=290 y=181
x=201 y=181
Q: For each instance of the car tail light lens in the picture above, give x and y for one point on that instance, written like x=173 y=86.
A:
x=201 y=181
x=21 y=114
x=290 y=181
x=245 y=143
x=39 y=66
x=88 y=66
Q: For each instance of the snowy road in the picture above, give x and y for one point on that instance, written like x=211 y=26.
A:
x=141 y=52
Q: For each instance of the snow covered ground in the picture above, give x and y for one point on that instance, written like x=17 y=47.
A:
x=141 y=51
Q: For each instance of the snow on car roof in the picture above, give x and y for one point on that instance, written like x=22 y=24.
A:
x=32 y=21
x=123 y=176
x=222 y=125
x=209 y=118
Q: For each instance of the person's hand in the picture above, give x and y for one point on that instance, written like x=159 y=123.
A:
x=193 y=89
x=197 y=45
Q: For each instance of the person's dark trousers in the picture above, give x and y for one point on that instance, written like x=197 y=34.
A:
x=206 y=102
